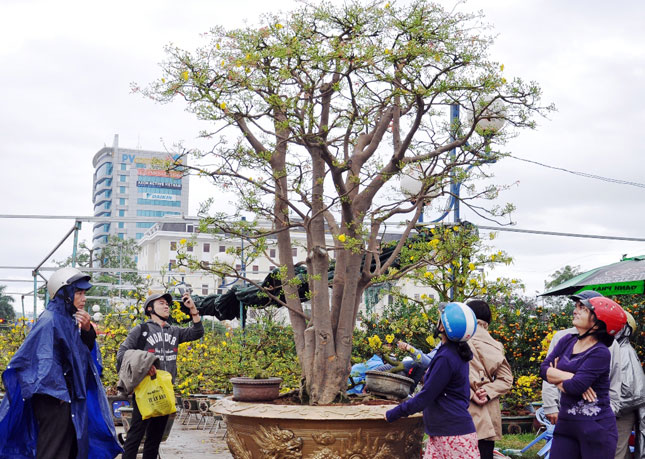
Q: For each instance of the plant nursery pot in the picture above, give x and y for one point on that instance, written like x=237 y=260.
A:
x=517 y=424
x=255 y=390
x=388 y=385
x=263 y=430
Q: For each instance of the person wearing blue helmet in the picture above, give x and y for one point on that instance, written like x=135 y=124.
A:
x=55 y=404
x=445 y=394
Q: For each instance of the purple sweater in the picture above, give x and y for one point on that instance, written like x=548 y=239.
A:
x=591 y=369
x=444 y=397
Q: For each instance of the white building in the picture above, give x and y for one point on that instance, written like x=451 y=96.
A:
x=158 y=254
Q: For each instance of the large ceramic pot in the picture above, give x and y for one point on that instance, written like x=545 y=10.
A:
x=388 y=385
x=255 y=390
x=256 y=430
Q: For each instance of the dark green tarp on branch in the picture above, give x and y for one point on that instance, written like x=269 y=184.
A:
x=227 y=305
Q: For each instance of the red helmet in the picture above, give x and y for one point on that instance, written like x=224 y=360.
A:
x=609 y=312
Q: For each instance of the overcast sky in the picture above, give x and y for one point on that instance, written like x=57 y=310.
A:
x=67 y=67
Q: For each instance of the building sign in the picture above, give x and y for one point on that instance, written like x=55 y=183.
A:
x=159 y=173
x=159 y=196
x=149 y=183
x=125 y=158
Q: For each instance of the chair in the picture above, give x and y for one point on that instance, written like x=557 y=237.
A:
x=546 y=435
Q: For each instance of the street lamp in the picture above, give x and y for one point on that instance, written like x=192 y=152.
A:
x=491 y=121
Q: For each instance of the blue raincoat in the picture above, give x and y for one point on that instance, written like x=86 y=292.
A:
x=51 y=349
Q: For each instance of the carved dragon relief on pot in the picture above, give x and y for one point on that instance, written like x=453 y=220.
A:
x=276 y=443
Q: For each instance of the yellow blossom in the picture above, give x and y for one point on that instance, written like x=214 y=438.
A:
x=342 y=238
x=389 y=338
x=222 y=105
x=375 y=341
x=184 y=75
x=182 y=241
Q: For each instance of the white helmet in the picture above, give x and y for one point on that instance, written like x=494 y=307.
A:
x=67 y=276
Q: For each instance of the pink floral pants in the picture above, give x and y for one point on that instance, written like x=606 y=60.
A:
x=452 y=447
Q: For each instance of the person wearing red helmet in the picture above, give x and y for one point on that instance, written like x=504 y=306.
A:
x=551 y=394
x=579 y=367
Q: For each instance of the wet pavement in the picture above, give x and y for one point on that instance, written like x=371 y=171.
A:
x=190 y=442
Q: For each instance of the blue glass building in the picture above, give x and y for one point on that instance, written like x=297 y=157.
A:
x=134 y=183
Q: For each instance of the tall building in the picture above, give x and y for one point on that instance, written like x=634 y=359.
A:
x=128 y=183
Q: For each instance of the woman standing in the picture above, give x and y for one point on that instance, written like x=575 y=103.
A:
x=490 y=378
x=446 y=392
x=579 y=367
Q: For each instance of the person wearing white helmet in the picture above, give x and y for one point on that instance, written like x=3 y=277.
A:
x=55 y=405
x=445 y=394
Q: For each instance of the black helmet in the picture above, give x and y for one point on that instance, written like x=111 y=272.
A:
x=151 y=299
x=585 y=296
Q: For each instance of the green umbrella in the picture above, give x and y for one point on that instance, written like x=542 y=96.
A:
x=627 y=277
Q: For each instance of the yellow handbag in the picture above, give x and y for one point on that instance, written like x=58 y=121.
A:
x=155 y=397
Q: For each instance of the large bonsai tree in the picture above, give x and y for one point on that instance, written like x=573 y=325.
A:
x=315 y=115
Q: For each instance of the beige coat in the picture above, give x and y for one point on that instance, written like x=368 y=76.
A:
x=489 y=370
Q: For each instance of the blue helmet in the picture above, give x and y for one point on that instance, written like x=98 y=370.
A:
x=459 y=321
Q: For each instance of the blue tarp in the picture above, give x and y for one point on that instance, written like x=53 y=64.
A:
x=52 y=348
x=358 y=373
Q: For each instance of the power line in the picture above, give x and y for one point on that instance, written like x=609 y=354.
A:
x=582 y=174
x=555 y=233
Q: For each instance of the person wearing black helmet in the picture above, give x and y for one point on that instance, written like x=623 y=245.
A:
x=55 y=405
x=156 y=335
x=579 y=367
x=551 y=394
